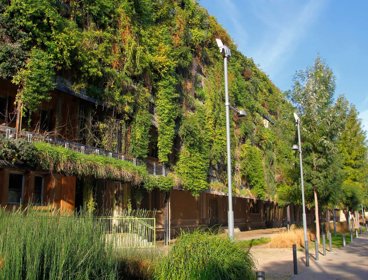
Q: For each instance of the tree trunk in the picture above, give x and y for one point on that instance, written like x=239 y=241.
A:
x=328 y=220
x=317 y=215
x=18 y=123
x=363 y=215
x=347 y=215
x=334 y=220
x=356 y=219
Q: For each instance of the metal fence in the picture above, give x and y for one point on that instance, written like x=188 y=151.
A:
x=130 y=232
x=153 y=167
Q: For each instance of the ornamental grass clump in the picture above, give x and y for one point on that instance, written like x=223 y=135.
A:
x=46 y=246
x=205 y=256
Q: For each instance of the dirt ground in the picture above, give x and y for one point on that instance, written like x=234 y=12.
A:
x=275 y=262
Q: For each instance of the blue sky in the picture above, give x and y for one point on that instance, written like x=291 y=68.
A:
x=283 y=36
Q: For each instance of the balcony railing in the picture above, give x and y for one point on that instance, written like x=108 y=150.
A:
x=152 y=165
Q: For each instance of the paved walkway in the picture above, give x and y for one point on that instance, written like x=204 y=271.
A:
x=350 y=262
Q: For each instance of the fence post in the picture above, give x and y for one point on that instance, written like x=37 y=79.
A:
x=351 y=236
x=295 y=260
x=260 y=275
x=324 y=244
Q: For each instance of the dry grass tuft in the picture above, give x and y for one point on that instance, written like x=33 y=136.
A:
x=288 y=238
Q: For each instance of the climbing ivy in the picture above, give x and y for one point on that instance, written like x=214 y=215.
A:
x=251 y=168
x=167 y=111
x=193 y=164
x=35 y=80
x=140 y=133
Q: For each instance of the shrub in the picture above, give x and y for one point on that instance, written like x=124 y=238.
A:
x=205 y=256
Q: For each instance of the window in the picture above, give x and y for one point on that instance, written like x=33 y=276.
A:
x=45 y=121
x=38 y=190
x=15 y=188
x=3 y=111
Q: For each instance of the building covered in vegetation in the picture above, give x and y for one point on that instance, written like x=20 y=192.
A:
x=110 y=105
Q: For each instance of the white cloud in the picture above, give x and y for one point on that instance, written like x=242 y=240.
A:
x=232 y=11
x=290 y=27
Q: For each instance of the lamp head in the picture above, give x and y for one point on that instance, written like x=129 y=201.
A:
x=223 y=48
x=296 y=117
x=295 y=147
x=219 y=43
x=241 y=113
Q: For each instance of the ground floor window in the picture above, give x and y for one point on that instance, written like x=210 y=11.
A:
x=15 y=188
x=38 y=190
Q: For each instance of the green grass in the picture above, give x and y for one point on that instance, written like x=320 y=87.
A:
x=337 y=240
x=246 y=244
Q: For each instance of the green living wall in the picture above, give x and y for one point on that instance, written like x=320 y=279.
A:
x=157 y=66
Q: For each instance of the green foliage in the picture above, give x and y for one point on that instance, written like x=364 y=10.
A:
x=36 y=80
x=251 y=168
x=63 y=160
x=36 y=246
x=163 y=183
x=141 y=125
x=205 y=256
x=132 y=55
x=59 y=159
x=140 y=134
x=167 y=111
x=353 y=150
x=17 y=151
x=193 y=164
x=313 y=96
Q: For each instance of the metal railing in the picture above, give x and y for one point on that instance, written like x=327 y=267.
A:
x=153 y=166
x=130 y=232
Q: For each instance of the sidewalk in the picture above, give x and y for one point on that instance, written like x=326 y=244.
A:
x=350 y=262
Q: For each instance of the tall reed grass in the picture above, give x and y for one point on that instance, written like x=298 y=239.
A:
x=205 y=256
x=46 y=246
x=288 y=238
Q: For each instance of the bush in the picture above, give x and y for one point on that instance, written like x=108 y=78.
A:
x=205 y=256
x=44 y=246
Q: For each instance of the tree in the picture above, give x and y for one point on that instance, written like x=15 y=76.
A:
x=312 y=94
x=353 y=150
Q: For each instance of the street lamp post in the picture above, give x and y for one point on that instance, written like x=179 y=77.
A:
x=230 y=214
x=299 y=149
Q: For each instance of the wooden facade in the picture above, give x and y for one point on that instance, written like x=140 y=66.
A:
x=20 y=187
x=70 y=116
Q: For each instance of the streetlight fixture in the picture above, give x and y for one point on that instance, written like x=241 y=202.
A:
x=230 y=214
x=299 y=149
